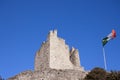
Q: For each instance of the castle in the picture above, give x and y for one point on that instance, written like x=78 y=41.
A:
x=54 y=61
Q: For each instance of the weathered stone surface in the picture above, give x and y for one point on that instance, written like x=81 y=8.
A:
x=59 y=53
x=42 y=57
x=51 y=74
x=26 y=75
x=54 y=61
x=55 y=54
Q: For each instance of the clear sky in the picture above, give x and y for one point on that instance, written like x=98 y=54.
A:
x=24 y=25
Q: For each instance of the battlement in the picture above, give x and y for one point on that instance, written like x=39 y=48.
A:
x=55 y=54
x=54 y=32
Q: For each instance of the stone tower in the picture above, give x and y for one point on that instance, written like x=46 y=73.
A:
x=55 y=54
x=54 y=61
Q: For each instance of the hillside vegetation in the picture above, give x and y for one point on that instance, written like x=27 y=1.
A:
x=101 y=74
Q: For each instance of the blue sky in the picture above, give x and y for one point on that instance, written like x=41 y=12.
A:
x=24 y=25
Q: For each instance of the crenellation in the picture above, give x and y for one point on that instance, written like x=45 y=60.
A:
x=55 y=32
x=52 y=34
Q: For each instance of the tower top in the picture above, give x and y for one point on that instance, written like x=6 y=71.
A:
x=53 y=32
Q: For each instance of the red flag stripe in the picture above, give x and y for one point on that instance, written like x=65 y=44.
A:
x=113 y=33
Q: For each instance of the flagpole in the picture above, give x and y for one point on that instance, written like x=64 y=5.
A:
x=105 y=65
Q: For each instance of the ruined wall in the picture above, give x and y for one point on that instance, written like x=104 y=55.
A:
x=42 y=57
x=59 y=53
x=55 y=54
x=75 y=59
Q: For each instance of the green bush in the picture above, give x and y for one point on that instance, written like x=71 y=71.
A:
x=100 y=74
x=96 y=74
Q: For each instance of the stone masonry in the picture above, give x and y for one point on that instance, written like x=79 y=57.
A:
x=54 y=61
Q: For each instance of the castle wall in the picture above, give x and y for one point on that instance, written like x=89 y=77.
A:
x=55 y=54
x=59 y=53
x=42 y=57
x=74 y=57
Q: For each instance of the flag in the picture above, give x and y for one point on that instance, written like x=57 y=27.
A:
x=111 y=36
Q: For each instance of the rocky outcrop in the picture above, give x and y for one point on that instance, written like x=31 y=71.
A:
x=50 y=74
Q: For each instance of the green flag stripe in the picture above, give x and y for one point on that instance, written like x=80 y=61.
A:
x=104 y=41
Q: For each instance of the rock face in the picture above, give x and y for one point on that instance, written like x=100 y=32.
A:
x=54 y=61
x=50 y=74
